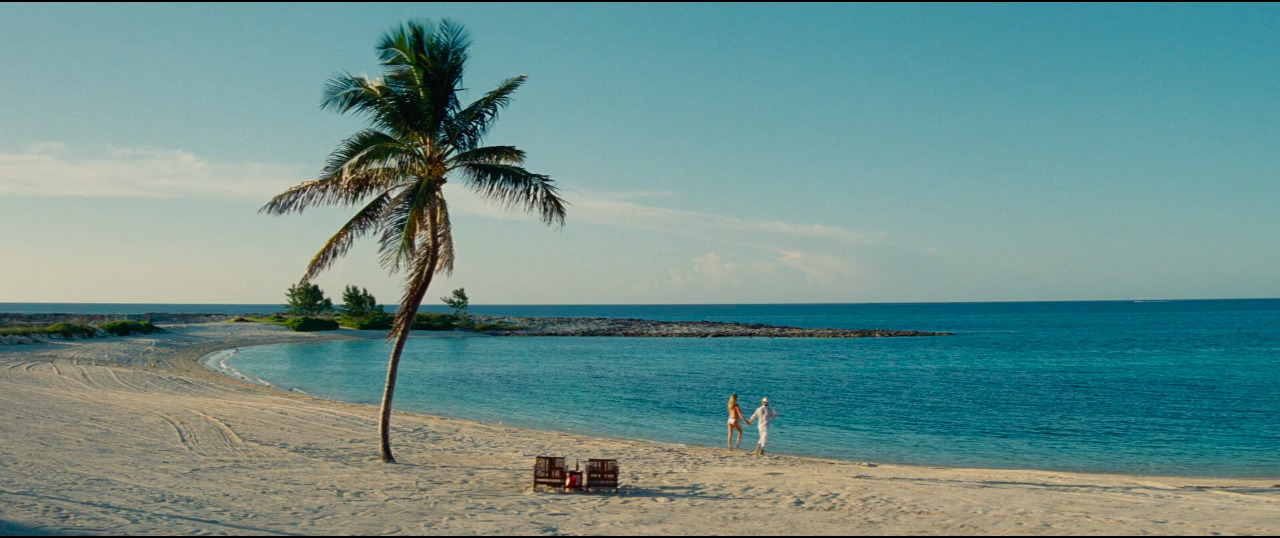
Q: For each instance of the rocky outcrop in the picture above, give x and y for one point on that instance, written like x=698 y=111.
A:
x=13 y=340
x=539 y=326
x=528 y=326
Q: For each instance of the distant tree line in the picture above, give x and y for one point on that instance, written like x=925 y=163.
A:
x=360 y=310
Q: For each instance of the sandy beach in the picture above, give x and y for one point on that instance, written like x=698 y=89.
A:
x=132 y=436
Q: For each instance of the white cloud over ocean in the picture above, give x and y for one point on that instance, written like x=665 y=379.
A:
x=52 y=169
x=757 y=250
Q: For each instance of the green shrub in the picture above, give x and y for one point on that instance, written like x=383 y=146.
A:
x=70 y=329
x=273 y=319
x=308 y=324
x=21 y=331
x=125 y=328
x=373 y=321
x=64 y=329
x=434 y=322
x=376 y=324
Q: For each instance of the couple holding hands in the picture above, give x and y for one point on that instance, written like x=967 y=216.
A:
x=763 y=415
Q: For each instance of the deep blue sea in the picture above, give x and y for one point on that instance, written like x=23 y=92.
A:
x=1153 y=387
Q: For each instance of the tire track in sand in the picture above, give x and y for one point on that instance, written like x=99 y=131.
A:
x=203 y=434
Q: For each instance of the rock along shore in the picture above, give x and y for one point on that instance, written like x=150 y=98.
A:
x=528 y=326
x=553 y=326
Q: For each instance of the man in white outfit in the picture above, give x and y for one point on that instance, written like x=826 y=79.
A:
x=763 y=415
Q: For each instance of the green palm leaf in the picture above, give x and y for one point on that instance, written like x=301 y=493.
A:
x=472 y=123
x=365 y=222
x=490 y=155
x=514 y=187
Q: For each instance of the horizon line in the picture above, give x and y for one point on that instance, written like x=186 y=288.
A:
x=713 y=304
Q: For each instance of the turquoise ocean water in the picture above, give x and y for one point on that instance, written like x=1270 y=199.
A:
x=1159 y=387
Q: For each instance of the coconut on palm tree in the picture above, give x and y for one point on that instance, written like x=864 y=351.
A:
x=420 y=137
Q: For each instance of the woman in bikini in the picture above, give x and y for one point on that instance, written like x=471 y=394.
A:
x=735 y=420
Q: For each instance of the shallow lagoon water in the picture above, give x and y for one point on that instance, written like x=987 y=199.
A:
x=1177 y=388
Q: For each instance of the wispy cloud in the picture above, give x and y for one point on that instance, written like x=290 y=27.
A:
x=610 y=209
x=816 y=268
x=53 y=169
x=806 y=261
x=793 y=260
x=704 y=225
x=618 y=196
x=819 y=267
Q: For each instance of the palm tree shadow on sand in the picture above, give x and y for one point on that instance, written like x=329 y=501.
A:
x=14 y=529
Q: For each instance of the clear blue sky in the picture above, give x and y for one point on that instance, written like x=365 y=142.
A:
x=713 y=153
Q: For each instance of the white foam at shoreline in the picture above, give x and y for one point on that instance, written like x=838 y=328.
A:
x=217 y=361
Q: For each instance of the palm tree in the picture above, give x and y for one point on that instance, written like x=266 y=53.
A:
x=420 y=136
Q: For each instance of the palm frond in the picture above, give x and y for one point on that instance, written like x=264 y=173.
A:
x=424 y=266
x=447 y=54
x=370 y=98
x=406 y=215
x=395 y=47
x=394 y=248
x=303 y=195
x=367 y=163
x=490 y=155
x=443 y=237
x=424 y=65
x=343 y=189
x=366 y=220
x=368 y=149
x=470 y=124
x=515 y=187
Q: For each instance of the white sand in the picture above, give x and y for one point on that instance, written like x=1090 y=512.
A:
x=129 y=435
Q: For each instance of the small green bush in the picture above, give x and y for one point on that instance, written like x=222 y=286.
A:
x=22 y=331
x=374 y=321
x=273 y=319
x=64 y=329
x=125 y=328
x=68 y=330
x=308 y=324
x=434 y=322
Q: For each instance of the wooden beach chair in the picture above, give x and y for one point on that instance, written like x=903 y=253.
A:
x=602 y=474
x=548 y=471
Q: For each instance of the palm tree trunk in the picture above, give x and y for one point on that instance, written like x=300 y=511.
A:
x=409 y=311
x=384 y=419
